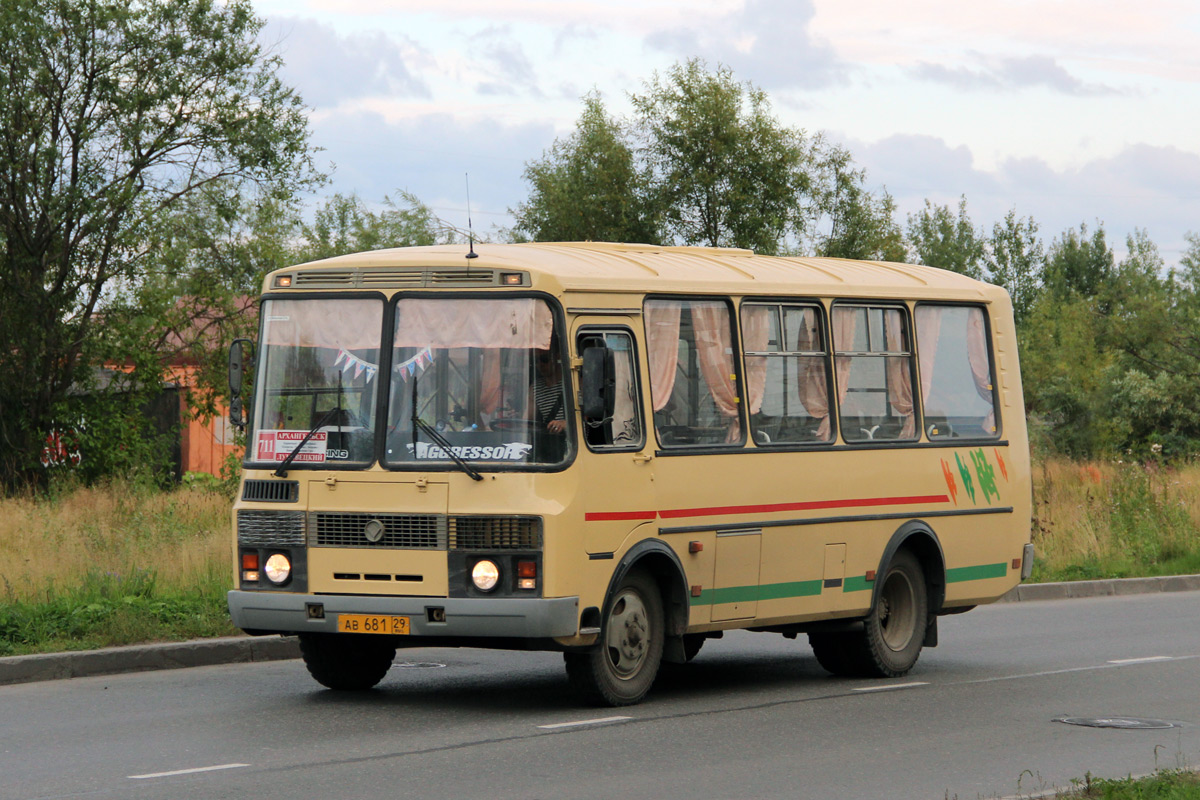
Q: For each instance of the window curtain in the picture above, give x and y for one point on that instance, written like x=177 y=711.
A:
x=714 y=351
x=662 y=343
x=518 y=323
x=845 y=323
x=490 y=391
x=899 y=373
x=756 y=335
x=813 y=387
x=929 y=331
x=977 y=354
x=353 y=324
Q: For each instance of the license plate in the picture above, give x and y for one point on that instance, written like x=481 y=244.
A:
x=389 y=624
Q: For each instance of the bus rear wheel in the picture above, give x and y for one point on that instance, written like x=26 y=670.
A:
x=620 y=670
x=346 y=662
x=893 y=632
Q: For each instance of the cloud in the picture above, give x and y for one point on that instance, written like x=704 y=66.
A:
x=1142 y=186
x=768 y=42
x=504 y=61
x=1009 y=74
x=430 y=155
x=329 y=67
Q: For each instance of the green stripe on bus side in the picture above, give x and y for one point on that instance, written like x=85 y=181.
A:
x=979 y=573
x=857 y=583
x=745 y=594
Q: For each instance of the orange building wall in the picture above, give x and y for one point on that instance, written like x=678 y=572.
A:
x=204 y=444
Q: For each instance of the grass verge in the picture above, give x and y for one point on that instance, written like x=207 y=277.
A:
x=110 y=565
x=1164 y=785
x=1114 y=520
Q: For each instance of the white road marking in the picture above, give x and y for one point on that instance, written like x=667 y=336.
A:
x=185 y=771
x=600 y=721
x=1143 y=660
x=890 y=686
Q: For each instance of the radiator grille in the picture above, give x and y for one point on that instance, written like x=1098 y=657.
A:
x=400 y=531
x=495 y=533
x=270 y=528
x=271 y=491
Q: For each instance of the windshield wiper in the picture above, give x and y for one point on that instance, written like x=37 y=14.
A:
x=438 y=439
x=281 y=470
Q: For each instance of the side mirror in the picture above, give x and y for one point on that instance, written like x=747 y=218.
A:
x=598 y=383
x=236 y=371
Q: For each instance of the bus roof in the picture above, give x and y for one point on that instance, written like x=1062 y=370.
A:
x=640 y=268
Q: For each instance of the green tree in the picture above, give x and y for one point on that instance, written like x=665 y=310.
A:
x=861 y=223
x=587 y=187
x=345 y=224
x=1078 y=263
x=1015 y=259
x=939 y=237
x=111 y=113
x=724 y=171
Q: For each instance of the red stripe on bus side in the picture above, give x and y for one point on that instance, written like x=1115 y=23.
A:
x=605 y=516
x=767 y=508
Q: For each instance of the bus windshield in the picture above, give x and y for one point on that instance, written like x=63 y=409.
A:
x=319 y=368
x=484 y=378
x=485 y=374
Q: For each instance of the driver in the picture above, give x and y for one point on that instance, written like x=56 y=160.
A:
x=547 y=393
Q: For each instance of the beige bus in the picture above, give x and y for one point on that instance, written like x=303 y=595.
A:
x=618 y=451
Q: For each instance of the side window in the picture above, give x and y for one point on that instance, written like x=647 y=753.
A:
x=874 y=365
x=957 y=386
x=692 y=380
x=623 y=430
x=787 y=391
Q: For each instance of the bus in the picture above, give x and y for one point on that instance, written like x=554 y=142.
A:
x=618 y=451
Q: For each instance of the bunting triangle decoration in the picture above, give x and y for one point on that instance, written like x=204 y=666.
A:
x=416 y=364
x=349 y=360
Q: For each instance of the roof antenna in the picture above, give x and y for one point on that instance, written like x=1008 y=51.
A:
x=470 y=230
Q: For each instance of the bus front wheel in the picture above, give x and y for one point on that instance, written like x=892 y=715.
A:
x=621 y=669
x=346 y=661
x=893 y=632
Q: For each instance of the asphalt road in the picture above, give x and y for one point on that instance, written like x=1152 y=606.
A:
x=752 y=716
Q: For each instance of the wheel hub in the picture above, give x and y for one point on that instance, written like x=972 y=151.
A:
x=628 y=635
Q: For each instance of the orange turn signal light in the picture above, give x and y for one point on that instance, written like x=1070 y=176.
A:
x=249 y=560
x=526 y=569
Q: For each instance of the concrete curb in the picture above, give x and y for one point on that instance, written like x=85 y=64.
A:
x=145 y=657
x=1105 y=588
x=243 y=649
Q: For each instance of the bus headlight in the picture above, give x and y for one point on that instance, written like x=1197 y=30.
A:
x=485 y=575
x=278 y=568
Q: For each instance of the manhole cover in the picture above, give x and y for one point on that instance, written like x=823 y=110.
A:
x=1128 y=723
x=422 y=665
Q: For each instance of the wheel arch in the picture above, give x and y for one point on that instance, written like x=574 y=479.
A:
x=662 y=564
x=918 y=537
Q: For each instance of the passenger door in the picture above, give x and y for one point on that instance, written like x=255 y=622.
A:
x=616 y=469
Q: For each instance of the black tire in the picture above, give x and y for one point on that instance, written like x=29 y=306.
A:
x=835 y=652
x=893 y=632
x=692 y=642
x=620 y=670
x=346 y=662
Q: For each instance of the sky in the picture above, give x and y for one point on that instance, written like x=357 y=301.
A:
x=1066 y=111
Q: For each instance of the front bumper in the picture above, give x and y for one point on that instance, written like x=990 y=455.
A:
x=519 y=617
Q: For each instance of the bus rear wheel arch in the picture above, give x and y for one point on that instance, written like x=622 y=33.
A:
x=893 y=632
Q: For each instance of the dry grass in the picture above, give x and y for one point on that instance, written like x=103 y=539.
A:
x=118 y=530
x=1115 y=519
